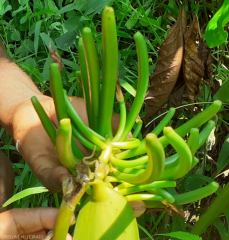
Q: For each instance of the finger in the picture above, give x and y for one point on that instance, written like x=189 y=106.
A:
x=37 y=149
x=23 y=221
x=39 y=153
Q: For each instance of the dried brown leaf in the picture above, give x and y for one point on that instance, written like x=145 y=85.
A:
x=175 y=99
x=193 y=66
x=206 y=58
x=168 y=67
x=56 y=57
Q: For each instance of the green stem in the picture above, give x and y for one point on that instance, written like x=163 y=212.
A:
x=138 y=128
x=65 y=214
x=156 y=162
x=46 y=122
x=158 y=129
x=57 y=91
x=139 y=188
x=64 y=145
x=143 y=79
x=128 y=144
x=83 y=140
x=185 y=156
x=128 y=163
x=163 y=193
x=213 y=212
x=84 y=77
x=195 y=122
x=123 y=185
x=193 y=140
x=137 y=197
x=204 y=134
x=122 y=105
x=80 y=124
x=110 y=71
x=93 y=73
x=192 y=196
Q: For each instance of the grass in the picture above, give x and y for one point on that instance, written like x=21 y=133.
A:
x=57 y=21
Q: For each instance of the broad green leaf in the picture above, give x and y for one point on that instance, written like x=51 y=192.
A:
x=49 y=4
x=36 y=37
x=15 y=35
x=46 y=68
x=21 y=8
x=23 y=2
x=26 y=48
x=72 y=23
x=128 y=87
x=67 y=8
x=223 y=159
x=23 y=19
x=9 y=147
x=4 y=9
x=96 y=6
x=37 y=5
x=144 y=22
x=25 y=193
x=193 y=182
x=133 y=19
x=49 y=12
x=182 y=236
x=123 y=34
x=65 y=41
x=47 y=41
x=215 y=34
x=71 y=64
x=222 y=93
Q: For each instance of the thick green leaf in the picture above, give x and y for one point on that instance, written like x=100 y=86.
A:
x=67 y=8
x=215 y=34
x=72 y=23
x=65 y=41
x=4 y=7
x=223 y=159
x=96 y=6
x=71 y=64
x=133 y=19
x=128 y=87
x=123 y=34
x=182 y=236
x=47 y=41
x=36 y=37
x=25 y=193
x=222 y=93
x=15 y=35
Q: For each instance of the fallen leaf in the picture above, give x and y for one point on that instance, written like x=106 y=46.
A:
x=175 y=98
x=172 y=209
x=205 y=55
x=167 y=69
x=193 y=66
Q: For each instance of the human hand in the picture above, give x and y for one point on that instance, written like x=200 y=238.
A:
x=36 y=147
x=33 y=223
